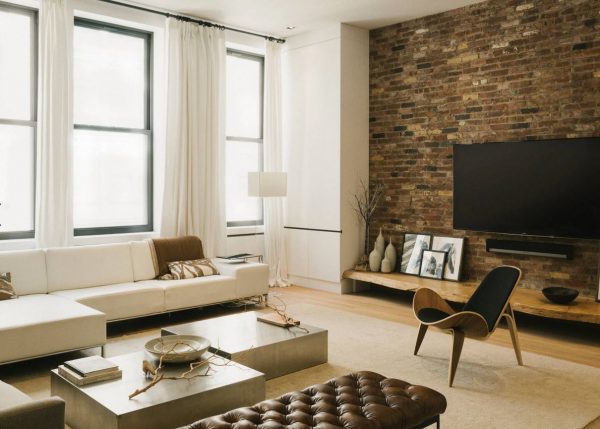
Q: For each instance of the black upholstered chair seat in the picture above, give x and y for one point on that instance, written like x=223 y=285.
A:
x=431 y=315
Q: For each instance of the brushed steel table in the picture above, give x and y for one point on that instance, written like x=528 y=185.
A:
x=270 y=349
x=169 y=404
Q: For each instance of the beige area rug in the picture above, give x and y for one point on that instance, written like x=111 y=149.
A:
x=490 y=389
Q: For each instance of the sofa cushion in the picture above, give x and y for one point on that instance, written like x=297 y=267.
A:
x=141 y=257
x=88 y=266
x=120 y=301
x=36 y=325
x=191 y=269
x=195 y=292
x=11 y=396
x=27 y=270
x=171 y=249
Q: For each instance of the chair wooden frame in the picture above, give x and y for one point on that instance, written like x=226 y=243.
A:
x=463 y=324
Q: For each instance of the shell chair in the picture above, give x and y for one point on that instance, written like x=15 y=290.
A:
x=479 y=317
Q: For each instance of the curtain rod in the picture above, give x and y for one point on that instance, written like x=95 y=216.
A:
x=197 y=21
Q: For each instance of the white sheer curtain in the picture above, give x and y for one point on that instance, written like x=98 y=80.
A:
x=54 y=207
x=193 y=202
x=275 y=249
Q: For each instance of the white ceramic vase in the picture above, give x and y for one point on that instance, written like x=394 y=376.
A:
x=386 y=266
x=380 y=244
x=390 y=255
x=374 y=260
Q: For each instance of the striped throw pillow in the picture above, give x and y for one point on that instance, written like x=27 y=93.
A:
x=190 y=269
x=6 y=288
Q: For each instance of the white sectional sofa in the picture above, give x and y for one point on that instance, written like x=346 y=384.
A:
x=67 y=295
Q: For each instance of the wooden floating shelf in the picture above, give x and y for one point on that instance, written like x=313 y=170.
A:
x=528 y=301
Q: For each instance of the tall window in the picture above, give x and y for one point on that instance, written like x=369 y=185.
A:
x=18 y=75
x=112 y=141
x=244 y=151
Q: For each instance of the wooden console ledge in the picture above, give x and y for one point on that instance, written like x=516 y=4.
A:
x=529 y=301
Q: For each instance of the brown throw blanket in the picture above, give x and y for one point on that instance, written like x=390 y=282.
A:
x=165 y=250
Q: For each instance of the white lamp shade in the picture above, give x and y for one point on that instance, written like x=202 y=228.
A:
x=267 y=184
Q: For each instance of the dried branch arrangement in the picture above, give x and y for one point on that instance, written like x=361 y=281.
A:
x=365 y=203
x=157 y=375
x=281 y=310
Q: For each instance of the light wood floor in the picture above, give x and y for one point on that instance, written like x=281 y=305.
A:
x=570 y=341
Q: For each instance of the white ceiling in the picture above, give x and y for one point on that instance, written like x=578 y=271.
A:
x=273 y=16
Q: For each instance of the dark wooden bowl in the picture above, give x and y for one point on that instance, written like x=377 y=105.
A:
x=560 y=295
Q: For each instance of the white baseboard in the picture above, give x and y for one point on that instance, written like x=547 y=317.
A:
x=316 y=284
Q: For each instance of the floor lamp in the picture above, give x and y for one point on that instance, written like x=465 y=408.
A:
x=269 y=184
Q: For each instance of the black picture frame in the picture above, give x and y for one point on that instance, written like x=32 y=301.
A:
x=412 y=248
x=455 y=246
x=431 y=266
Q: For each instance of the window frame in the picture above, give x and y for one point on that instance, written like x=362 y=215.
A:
x=147 y=36
x=260 y=140
x=32 y=122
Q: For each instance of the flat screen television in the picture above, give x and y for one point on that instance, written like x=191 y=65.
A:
x=545 y=188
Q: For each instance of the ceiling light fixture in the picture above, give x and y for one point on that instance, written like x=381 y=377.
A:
x=290 y=27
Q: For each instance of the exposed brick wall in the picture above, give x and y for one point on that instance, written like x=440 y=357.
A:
x=494 y=71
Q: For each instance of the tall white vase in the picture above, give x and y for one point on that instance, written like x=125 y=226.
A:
x=380 y=244
x=390 y=254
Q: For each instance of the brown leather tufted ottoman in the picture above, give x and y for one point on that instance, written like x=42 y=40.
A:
x=362 y=400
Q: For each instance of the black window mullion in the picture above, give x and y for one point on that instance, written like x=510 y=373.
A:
x=18 y=122
x=244 y=139
x=111 y=129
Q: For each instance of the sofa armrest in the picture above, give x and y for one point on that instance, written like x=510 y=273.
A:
x=251 y=278
x=43 y=413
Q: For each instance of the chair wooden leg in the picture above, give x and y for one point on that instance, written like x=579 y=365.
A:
x=514 y=336
x=420 y=336
x=458 y=339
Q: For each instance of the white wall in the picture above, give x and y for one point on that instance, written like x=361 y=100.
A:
x=325 y=129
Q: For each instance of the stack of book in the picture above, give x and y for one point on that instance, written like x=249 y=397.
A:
x=89 y=370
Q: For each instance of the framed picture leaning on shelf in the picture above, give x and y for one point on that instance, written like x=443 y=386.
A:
x=432 y=264
x=412 y=250
x=454 y=247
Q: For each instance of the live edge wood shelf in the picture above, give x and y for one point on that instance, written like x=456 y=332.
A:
x=583 y=309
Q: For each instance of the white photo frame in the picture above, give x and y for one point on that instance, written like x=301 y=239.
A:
x=454 y=246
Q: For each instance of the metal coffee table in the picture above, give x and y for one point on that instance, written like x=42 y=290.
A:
x=169 y=404
x=267 y=348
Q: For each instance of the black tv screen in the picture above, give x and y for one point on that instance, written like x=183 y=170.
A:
x=541 y=188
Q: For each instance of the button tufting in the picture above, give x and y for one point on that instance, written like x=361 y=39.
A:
x=359 y=400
